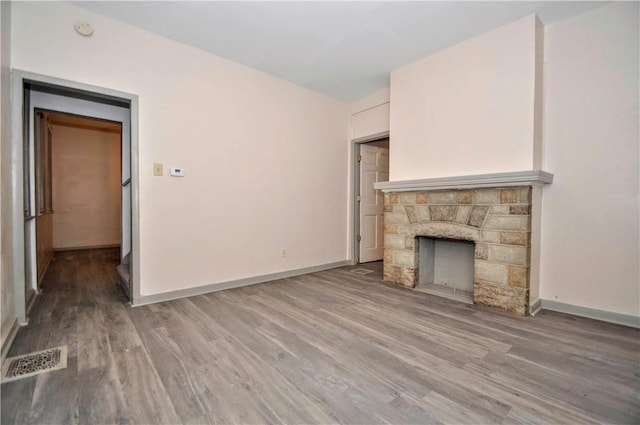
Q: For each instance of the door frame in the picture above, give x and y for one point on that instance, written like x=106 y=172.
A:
x=69 y=89
x=355 y=190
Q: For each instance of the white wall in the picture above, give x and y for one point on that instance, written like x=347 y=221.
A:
x=264 y=159
x=6 y=276
x=86 y=187
x=590 y=217
x=468 y=109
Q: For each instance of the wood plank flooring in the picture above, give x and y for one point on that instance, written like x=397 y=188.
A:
x=329 y=347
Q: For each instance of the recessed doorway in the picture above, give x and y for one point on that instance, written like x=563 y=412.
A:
x=371 y=166
x=42 y=104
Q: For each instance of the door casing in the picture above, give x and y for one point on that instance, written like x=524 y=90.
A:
x=70 y=89
x=355 y=185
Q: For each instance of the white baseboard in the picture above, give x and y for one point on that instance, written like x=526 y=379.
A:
x=592 y=313
x=214 y=287
x=11 y=336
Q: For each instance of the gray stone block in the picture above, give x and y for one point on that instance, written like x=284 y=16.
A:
x=396 y=218
x=514 y=238
x=509 y=254
x=508 y=222
x=520 y=209
x=394 y=241
x=443 y=197
x=489 y=271
x=423 y=213
x=404 y=258
x=410 y=210
x=407 y=197
x=490 y=236
x=506 y=298
x=481 y=251
x=477 y=216
x=486 y=196
x=442 y=213
x=462 y=215
x=500 y=209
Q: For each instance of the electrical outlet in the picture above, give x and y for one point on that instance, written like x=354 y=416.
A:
x=284 y=252
x=157 y=169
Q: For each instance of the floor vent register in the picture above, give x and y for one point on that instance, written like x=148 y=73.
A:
x=26 y=365
x=361 y=271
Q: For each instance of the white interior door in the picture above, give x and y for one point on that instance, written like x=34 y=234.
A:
x=374 y=167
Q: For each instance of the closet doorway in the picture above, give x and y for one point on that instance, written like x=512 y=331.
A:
x=372 y=166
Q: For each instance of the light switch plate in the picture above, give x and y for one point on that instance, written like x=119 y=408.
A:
x=157 y=169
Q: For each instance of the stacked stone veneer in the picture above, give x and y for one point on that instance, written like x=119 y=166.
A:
x=498 y=220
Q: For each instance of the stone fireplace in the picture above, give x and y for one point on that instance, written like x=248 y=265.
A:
x=497 y=219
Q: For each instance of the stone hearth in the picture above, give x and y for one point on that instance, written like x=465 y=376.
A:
x=497 y=219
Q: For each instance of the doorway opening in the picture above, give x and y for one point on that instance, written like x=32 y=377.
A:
x=78 y=168
x=77 y=185
x=371 y=166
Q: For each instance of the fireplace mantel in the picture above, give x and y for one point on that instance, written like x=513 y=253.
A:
x=514 y=178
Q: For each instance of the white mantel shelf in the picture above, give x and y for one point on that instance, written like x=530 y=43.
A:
x=514 y=178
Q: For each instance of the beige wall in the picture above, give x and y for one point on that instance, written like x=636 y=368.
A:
x=590 y=222
x=6 y=257
x=468 y=109
x=265 y=160
x=86 y=188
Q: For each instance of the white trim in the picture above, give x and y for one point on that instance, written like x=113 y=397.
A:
x=11 y=336
x=214 y=287
x=514 y=178
x=592 y=313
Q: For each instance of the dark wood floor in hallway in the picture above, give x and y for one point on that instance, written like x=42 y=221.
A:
x=329 y=347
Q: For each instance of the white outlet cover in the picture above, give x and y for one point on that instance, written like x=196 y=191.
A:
x=83 y=28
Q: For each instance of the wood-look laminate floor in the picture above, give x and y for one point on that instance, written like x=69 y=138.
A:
x=329 y=347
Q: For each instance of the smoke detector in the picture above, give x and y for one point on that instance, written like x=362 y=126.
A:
x=83 y=28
